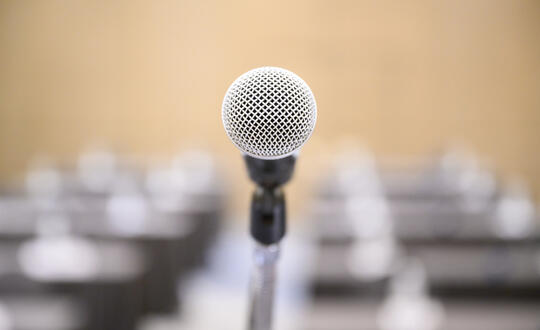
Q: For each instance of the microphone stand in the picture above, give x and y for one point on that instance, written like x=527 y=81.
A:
x=267 y=227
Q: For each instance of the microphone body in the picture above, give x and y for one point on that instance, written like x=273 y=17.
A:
x=268 y=209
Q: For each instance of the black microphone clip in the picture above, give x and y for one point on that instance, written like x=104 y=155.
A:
x=268 y=211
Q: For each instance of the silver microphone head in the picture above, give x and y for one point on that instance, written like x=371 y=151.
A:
x=269 y=113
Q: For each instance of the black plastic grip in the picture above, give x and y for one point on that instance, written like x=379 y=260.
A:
x=267 y=216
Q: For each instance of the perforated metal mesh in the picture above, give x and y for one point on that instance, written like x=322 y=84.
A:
x=269 y=112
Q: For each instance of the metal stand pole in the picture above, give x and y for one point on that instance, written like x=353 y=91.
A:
x=262 y=287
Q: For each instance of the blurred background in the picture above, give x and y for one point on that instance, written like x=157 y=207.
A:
x=123 y=205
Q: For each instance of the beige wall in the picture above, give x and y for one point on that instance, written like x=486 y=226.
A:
x=405 y=77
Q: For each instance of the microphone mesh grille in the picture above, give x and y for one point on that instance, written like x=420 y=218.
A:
x=269 y=112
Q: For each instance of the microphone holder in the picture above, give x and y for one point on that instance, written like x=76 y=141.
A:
x=267 y=227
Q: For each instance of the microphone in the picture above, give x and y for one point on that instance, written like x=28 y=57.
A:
x=268 y=113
